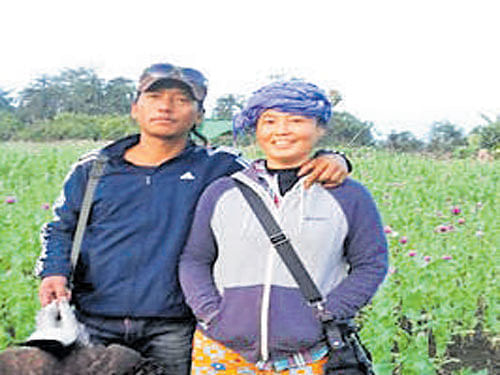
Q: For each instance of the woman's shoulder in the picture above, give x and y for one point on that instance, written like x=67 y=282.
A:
x=219 y=186
x=350 y=185
x=212 y=194
x=351 y=191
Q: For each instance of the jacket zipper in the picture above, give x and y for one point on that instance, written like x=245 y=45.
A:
x=264 y=313
x=128 y=325
x=131 y=299
x=266 y=300
x=266 y=293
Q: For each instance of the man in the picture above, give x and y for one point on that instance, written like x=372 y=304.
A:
x=126 y=287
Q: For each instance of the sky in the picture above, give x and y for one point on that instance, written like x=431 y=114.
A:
x=401 y=65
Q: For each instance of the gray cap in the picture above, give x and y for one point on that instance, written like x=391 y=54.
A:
x=191 y=77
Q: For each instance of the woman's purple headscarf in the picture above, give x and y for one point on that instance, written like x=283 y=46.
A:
x=295 y=96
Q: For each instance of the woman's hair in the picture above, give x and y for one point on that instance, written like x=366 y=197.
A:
x=294 y=96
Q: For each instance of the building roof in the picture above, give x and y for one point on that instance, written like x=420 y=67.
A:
x=214 y=128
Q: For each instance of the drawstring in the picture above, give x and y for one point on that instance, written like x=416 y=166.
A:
x=302 y=208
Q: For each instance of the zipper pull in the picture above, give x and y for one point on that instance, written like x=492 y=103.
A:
x=128 y=325
x=148 y=180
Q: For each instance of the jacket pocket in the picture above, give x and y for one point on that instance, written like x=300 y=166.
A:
x=236 y=323
x=293 y=326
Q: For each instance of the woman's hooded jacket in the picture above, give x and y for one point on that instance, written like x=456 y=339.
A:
x=240 y=290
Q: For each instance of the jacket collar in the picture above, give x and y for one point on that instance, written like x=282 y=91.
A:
x=117 y=149
x=258 y=173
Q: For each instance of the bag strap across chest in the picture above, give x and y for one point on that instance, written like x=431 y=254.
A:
x=95 y=174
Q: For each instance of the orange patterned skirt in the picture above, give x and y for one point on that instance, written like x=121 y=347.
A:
x=212 y=358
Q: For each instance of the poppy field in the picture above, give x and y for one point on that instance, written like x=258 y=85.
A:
x=443 y=231
x=441 y=222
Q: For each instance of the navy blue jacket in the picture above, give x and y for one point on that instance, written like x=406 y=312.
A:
x=138 y=225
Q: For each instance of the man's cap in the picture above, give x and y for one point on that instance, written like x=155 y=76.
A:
x=195 y=80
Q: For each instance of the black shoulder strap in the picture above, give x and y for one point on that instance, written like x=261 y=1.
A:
x=282 y=244
x=95 y=174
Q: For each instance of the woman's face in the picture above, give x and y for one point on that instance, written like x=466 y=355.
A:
x=286 y=139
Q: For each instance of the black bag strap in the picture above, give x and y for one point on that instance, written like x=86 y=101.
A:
x=282 y=245
x=333 y=329
x=95 y=174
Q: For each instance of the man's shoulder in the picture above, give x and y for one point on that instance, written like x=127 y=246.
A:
x=89 y=156
x=87 y=160
x=213 y=150
x=228 y=154
x=217 y=151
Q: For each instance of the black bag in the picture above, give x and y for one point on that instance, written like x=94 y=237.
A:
x=147 y=366
x=346 y=353
x=346 y=356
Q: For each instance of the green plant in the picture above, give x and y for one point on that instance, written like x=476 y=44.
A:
x=440 y=218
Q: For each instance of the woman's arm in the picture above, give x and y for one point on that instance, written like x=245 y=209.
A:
x=198 y=257
x=365 y=250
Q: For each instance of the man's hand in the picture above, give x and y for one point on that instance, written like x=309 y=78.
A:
x=328 y=169
x=53 y=288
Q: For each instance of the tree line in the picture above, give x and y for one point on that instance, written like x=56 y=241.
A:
x=78 y=104
x=346 y=129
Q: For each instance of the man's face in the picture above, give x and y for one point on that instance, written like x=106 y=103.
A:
x=167 y=113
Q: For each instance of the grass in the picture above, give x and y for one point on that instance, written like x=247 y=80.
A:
x=441 y=218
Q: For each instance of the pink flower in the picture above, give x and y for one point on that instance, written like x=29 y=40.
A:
x=389 y=231
x=10 y=199
x=412 y=253
x=455 y=210
x=444 y=228
x=403 y=240
x=461 y=221
x=446 y=257
x=441 y=228
x=427 y=258
x=45 y=206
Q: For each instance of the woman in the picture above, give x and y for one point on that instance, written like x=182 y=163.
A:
x=252 y=317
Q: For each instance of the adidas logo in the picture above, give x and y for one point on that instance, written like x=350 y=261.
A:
x=187 y=176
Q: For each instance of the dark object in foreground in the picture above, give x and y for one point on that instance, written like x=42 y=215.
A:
x=146 y=366
x=97 y=360
x=347 y=354
x=54 y=347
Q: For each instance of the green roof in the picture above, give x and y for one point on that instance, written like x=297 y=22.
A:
x=214 y=128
